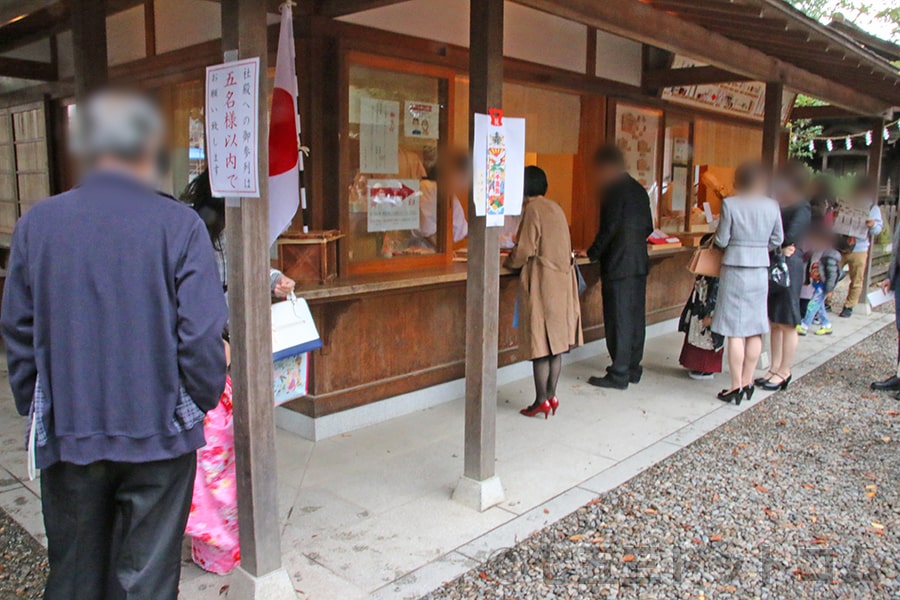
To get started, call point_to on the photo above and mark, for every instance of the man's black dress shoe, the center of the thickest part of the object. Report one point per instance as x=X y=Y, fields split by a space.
x=635 y=378
x=891 y=384
x=606 y=382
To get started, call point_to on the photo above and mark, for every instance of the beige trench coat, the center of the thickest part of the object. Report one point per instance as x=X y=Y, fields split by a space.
x=549 y=311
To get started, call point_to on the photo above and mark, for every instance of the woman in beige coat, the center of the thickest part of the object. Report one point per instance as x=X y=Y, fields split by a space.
x=549 y=312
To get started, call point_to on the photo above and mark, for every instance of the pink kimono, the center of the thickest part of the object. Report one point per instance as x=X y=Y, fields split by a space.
x=213 y=521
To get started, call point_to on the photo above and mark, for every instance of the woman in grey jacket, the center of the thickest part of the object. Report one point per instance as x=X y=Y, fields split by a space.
x=749 y=226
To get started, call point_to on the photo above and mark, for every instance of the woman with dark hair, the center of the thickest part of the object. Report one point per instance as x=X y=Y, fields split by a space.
x=784 y=302
x=549 y=311
x=198 y=194
x=749 y=226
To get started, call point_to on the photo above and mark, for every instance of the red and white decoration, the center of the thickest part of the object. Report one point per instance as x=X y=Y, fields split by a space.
x=285 y=159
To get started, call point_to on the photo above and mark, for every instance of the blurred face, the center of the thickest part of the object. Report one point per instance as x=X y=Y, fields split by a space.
x=606 y=174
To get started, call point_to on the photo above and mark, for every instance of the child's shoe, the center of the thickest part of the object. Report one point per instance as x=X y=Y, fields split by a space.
x=824 y=330
x=802 y=330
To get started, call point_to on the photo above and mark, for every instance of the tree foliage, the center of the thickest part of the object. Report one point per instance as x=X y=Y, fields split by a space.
x=883 y=13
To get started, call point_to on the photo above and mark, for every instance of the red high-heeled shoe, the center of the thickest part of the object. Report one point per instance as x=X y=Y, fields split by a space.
x=542 y=408
x=554 y=404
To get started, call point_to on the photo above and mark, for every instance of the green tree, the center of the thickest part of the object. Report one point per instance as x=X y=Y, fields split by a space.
x=883 y=14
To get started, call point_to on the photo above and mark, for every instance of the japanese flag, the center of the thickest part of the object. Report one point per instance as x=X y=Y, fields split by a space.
x=285 y=160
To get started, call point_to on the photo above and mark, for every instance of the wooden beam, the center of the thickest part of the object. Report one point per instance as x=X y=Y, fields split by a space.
x=644 y=23
x=10 y=12
x=772 y=123
x=483 y=282
x=27 y=69
x=89 y=41
x=341 y=8
x=826 y=111
x=150 y=27
x=663 y=78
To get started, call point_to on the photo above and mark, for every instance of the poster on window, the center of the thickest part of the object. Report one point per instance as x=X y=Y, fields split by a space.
x=498 y=167
x=637 y=135
x=393 y=205
x=379 y=133
x=232 y=128
x=421 y=120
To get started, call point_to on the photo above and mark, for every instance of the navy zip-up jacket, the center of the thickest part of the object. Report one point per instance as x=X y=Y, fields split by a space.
x=112 y=317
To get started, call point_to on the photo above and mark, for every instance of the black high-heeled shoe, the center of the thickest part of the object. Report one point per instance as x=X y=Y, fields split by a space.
x=780 y=386
x=748 y=393
x=735 y=395
x=762 y=380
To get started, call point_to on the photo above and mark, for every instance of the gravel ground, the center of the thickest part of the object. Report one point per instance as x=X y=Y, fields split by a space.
x=23 y=562
x=796 y=498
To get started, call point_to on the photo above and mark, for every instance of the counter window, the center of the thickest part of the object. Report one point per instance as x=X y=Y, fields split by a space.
x=396 y=124
x=677 y=189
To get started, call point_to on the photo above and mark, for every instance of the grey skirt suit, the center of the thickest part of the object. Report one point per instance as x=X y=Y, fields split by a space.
x=748 y=228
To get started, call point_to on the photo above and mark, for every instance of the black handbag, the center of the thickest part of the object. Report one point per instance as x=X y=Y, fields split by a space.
x=778 y=269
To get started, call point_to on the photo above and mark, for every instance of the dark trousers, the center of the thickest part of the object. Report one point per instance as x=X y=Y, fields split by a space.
x=624 y=317
x=114 y=530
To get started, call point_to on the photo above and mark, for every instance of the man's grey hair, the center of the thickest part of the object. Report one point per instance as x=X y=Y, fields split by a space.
x=119 y=123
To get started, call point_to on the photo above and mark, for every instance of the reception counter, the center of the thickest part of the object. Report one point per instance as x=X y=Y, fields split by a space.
x=390 y=334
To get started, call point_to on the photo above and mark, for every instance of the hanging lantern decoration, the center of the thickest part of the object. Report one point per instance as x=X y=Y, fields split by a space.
x=848 y=144
x=868 y=138
x=887 y=134
x=812 y=146
x=829 y=144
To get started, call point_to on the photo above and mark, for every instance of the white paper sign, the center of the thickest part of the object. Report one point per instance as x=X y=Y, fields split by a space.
x=851 y=220
x=393 y=205
x=498 y=166
x=232 y=128
x=379 y=133
x=679 y=188
x=421 y=120
x=878 y=297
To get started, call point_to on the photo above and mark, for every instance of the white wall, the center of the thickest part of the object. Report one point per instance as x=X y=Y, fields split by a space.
x=183 y=23
x=126 y=36
x=442 y=20
x=618 y=58
x=545 y=39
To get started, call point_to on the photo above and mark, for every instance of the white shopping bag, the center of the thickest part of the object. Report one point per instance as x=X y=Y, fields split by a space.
x=293 y=329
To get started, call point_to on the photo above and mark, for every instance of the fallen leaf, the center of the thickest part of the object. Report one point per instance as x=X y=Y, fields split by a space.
x=628 y=558
x=846 y=430
x=761 y=489
x=878 y=526
x=597 y=540
x=484 y=576
x=576 y=538
x=892 y=413
x=715 y=538
x=650 y=511
x=886 y=439
x=546 y=511
x=594 y=502
x=224 y=589
x=809 y=486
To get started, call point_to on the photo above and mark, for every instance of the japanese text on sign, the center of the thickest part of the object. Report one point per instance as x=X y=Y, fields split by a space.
x=232 y=128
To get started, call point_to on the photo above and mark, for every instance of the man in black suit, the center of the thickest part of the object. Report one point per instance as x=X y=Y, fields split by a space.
x=621 y=249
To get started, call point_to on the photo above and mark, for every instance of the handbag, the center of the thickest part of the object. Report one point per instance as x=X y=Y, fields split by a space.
x=582 y=284
x=778 y=269
x=707 y=260
x=293 y=329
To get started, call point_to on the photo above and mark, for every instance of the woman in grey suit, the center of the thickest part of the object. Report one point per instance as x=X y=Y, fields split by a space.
x=749 y=226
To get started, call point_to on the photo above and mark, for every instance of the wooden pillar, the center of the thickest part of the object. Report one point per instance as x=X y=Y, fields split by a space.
x=261 y=574
x=772 y=124
x=89 y=41
x=873 y=170
x=479 y=487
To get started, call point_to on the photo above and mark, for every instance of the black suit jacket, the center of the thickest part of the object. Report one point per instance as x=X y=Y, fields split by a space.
x=625 y=224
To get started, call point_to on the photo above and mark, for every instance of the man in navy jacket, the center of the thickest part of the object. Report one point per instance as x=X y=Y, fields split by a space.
x=113 y=317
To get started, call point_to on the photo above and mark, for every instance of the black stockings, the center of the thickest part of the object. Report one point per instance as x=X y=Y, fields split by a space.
x=546 y=375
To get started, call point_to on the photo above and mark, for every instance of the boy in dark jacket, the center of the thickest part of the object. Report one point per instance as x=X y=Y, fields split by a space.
x=824 y=273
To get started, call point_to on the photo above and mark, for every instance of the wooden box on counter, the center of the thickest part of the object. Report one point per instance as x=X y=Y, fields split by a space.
x=310 y=257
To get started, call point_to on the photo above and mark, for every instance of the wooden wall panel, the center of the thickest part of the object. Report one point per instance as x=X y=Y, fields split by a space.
x=724 y=144
x=383 y=344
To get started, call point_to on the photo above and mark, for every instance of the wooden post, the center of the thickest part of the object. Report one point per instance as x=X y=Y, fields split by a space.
x=772 y=124
x=261 y=574
x=89 y=40
x=873 y=170
x=479 y=487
